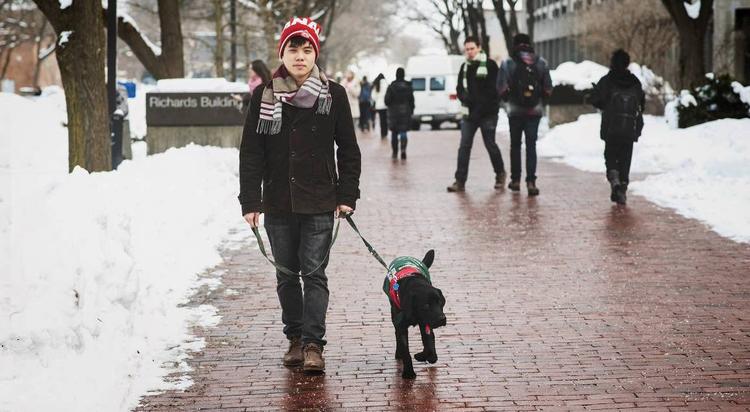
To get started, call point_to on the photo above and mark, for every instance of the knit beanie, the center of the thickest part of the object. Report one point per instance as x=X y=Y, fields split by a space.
x=303 y=27
x=521 y=38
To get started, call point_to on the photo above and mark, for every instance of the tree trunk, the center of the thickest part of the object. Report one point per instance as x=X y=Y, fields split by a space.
x=530 y=19
x=6 y=63
x=81 y=62
x=499 y=6
x=37 y=50
x=168 y=62
x=170 y=25
x=219 y=28
x=692 y=33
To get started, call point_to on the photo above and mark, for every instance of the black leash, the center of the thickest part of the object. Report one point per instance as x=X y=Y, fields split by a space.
x=283 y=269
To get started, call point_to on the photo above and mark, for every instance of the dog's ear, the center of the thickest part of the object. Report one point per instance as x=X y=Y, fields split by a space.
x=428 y=258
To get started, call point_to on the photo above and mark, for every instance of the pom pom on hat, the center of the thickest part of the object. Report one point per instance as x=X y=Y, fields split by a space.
x=304 y=27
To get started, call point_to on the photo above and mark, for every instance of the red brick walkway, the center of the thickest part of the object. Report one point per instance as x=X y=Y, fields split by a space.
x=561 y=302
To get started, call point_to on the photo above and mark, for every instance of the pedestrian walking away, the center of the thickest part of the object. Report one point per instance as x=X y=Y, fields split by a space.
x=288 y=171
x=399 y=99
x=619 y=94
x=480 y=100
x=378 y=97
x=365 y=96
x=524 y=81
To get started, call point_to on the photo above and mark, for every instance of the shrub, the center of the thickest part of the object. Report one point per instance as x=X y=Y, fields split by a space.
x=717 y=98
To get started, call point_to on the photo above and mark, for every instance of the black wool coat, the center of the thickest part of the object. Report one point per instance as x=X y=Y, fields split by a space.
x=295 y=170
x=399 y=99
x=481 y=95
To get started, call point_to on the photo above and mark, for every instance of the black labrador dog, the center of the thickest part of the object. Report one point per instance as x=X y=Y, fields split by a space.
x=414 y=301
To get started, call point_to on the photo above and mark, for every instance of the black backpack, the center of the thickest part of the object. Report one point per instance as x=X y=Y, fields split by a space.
x=525 y=85
x=622 y=112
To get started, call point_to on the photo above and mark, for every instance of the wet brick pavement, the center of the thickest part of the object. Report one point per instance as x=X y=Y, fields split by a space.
x=561 y=302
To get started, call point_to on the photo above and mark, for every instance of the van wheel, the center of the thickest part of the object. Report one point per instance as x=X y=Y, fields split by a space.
x=435 y=125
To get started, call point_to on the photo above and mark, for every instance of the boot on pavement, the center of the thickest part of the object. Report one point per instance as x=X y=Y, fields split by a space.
x=403 y=149
x=621 y=194
x=614 y=182
x=514 y=185
x=314 y=361
x=293 y=355
x=457 y=187
x=500 y=181
x=533 y=190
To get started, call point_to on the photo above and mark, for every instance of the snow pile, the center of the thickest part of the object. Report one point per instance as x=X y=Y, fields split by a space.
x=582 y=75
x=94 y=266
x=703 y=172
x=742 y=91
x=208 y=85
x=579 y=75
x=693 y=9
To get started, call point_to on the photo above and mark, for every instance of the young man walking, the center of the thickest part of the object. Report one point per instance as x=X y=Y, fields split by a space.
x=478 y=95
x=399 y=99
x=288 y=148
x=525 y=81
x=619 y=94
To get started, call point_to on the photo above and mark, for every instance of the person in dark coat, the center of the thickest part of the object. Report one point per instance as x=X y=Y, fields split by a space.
x=620 y=97
x=478 y=95
x=525 y=82
x=288 y=170
x=399 y=98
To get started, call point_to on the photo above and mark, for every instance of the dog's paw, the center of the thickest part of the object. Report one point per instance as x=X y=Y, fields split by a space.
x=408 y=374
x=425 y=357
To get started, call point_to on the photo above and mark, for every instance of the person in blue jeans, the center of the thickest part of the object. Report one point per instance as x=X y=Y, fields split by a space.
x=298 y=133
x=478 y=95
x=524 y=80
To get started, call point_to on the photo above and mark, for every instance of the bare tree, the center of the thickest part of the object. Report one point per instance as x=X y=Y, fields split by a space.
x=445 y=18
x=509 y=27
x=80 y=55
x=218 y=9
x=21 y=22
x=691 y=32
x=641 y=27
x=474 y=24
x=165 y=61
x=353 y=34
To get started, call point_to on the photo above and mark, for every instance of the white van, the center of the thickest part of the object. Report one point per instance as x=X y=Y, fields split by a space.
x=433 y=78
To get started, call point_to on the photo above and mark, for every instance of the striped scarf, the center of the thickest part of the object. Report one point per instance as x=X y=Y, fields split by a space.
x=285 y=90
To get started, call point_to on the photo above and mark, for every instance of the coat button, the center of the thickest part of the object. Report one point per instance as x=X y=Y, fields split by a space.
x=292 y=179
x=294 y=154
x=294 y=130
x=314 y=128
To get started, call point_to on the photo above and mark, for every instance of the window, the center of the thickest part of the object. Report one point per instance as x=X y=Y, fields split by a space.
x=437 y=83
x=418 y=84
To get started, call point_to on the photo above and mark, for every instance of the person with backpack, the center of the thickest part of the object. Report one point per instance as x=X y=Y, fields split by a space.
x=524 y=80
x=365 y=106
x=399 y=99
x=620 y=97
x=481 y=102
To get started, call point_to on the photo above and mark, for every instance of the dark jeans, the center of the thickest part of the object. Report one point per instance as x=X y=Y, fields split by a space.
x=394 y=140
x=299 y=243
x=617 y=156
x=364 y=115
x=528 y=126
x=468 y=129
x=383 y=115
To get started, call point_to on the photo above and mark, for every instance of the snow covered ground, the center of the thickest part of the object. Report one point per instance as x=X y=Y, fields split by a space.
x=702 y=172
x=93 y=267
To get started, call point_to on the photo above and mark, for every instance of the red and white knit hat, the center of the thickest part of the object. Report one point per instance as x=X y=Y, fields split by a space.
x=303 y=27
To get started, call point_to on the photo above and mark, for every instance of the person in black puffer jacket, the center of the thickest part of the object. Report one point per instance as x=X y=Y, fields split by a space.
x=619 y=94
x=399 y=99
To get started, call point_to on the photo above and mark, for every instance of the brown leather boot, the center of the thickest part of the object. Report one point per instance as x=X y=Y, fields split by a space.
x=457 y=187
x=514 y=185
x=293 y=356
x=314 y=361
x=531 y=187
x=500 y=181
